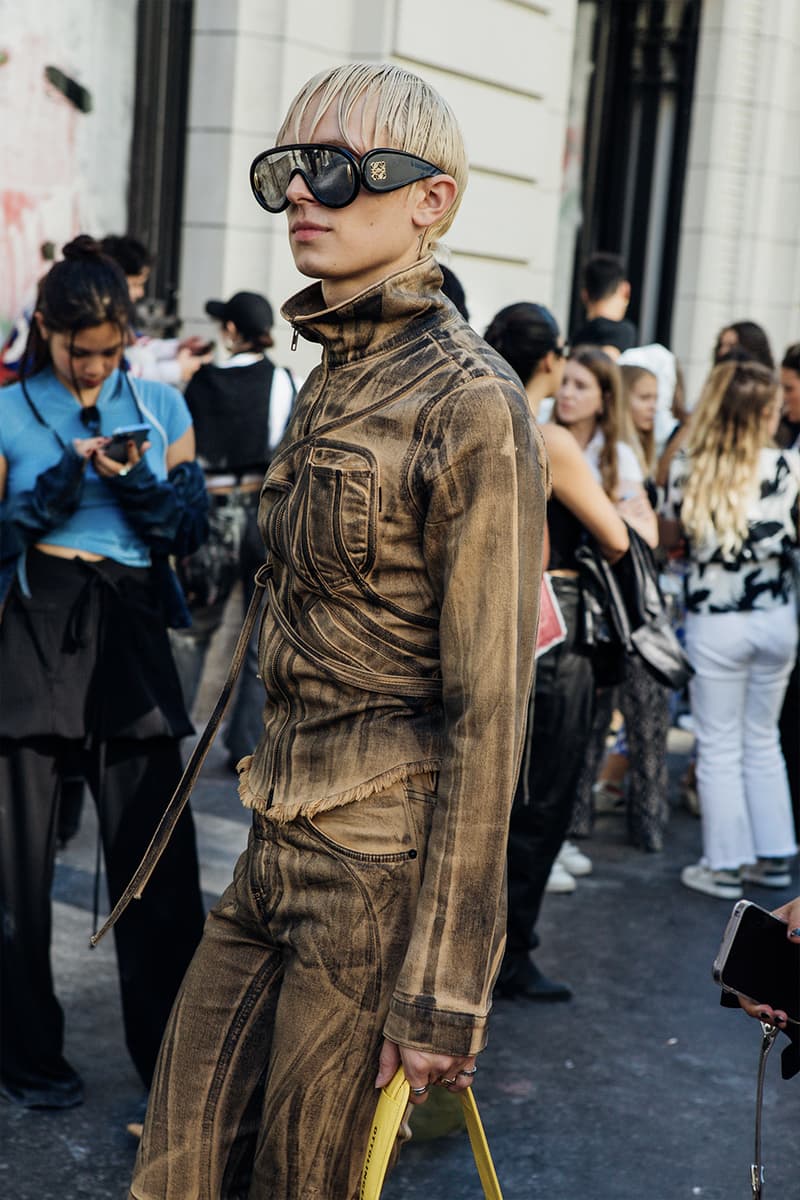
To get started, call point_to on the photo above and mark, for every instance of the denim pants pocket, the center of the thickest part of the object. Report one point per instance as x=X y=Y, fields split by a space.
x=391 y=825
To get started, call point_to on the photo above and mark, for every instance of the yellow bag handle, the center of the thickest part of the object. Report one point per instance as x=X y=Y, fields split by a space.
x=390 y=1110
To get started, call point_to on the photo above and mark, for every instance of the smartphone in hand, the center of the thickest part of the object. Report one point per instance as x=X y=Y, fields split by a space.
x=117 y=448
x=757 y=961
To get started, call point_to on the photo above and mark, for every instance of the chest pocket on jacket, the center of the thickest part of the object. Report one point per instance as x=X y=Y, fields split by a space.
x=332 y=514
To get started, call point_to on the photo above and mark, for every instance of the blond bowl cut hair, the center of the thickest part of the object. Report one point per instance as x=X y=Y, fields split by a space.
x=408 y=115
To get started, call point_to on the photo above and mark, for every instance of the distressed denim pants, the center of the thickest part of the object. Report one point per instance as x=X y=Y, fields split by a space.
x=264 y=1087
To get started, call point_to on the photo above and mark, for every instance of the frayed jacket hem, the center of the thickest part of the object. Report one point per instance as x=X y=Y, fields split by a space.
x=281 y=814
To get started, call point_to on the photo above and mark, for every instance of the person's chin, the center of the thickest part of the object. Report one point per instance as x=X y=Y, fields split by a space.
x=308 y=262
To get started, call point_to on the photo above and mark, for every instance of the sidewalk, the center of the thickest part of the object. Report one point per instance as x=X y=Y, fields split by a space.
x=640 y=1088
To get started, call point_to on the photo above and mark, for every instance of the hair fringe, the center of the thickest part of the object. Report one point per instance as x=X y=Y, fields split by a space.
x=409 y=113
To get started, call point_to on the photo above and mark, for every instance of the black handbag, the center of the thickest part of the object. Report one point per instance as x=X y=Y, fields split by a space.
x=604 y=630
x=630 y=612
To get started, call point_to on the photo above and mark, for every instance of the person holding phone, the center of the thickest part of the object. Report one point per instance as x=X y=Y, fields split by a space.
x=403 y=520
x=767 y=1010
x=86 y=675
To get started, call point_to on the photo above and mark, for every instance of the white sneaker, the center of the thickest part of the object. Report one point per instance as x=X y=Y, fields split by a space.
x=559 y=880
x=768 y=872
x=608 y=797
x=727 y=885
x=574 y=860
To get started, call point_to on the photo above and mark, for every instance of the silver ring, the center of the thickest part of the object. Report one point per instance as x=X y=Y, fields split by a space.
x=447 y=1082
x=419 y=1091
x=474 y=1071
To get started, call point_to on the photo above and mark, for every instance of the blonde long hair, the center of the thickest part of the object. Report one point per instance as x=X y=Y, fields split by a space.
x=726 y=435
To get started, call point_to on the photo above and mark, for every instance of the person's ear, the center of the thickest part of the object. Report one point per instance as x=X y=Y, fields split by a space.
x=44 y=332
x=435 y=197
x=547 y=363
x=625 y=291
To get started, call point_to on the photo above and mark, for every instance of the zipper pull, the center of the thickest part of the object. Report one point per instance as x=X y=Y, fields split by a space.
x=295 y=336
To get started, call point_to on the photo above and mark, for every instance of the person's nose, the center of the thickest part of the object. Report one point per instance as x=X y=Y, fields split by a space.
x=99 y=364
x=298 y=191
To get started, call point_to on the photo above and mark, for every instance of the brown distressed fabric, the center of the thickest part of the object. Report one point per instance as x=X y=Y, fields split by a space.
x=265 y=1084
x=403 y=512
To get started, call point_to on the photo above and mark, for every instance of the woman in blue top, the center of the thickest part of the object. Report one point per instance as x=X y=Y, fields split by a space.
x=86 y=673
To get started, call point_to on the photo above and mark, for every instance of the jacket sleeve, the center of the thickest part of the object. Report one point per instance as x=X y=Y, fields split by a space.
x=170 y=515
x=27 y=516
x=483 y=541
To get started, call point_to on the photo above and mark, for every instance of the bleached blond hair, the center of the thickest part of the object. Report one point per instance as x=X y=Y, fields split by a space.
x=408 y=114
x=726 y=435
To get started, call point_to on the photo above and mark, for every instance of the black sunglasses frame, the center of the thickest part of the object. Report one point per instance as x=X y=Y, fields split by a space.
x=90 y=418
x=384 y=169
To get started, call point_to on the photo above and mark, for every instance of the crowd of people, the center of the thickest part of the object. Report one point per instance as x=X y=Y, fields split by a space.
x=416 y=499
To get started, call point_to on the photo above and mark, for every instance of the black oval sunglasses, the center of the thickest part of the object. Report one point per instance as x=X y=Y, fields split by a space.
x=333 y=174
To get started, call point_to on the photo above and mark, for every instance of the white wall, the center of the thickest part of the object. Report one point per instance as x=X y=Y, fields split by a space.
x=63 y=170
x=505 y=70
x=740 y=250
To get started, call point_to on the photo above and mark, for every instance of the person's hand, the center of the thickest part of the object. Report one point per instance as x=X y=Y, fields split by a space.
x=86 y=447
x=194 y=343
x=190 y=363
x=634 y=508
x=790 y=913
x=423 y=1070
x=109 y=467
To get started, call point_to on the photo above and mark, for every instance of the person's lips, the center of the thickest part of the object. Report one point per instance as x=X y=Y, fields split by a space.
x=306 y=231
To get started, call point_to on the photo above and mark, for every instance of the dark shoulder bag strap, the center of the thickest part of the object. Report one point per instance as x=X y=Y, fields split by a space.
x=187 y=781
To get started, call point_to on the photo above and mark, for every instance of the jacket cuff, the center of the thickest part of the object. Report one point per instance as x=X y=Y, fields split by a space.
x=423 y=1027
x=134 y=478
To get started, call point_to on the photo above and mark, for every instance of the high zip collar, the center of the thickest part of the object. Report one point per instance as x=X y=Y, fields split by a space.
x=381 y=317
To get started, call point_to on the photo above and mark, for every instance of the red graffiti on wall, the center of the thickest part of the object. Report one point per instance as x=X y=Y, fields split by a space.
x=40 y=198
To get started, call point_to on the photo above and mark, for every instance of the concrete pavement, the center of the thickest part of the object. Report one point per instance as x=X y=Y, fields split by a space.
x=639 y=1087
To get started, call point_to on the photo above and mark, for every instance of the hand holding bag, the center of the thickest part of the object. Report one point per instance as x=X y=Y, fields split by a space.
x=389 y=1113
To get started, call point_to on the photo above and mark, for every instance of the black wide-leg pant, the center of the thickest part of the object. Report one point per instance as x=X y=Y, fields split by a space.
x=559 y=728
x=155 y=938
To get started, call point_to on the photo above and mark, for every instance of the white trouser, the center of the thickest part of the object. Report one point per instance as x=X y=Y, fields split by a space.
x=742 y=661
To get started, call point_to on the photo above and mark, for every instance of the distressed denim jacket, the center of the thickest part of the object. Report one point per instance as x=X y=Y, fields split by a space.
x=403 y=515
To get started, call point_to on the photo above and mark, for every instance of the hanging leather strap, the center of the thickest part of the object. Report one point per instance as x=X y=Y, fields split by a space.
x=769 y=1032
x=180 y=796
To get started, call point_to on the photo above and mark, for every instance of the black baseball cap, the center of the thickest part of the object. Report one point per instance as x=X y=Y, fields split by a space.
x=250 y=312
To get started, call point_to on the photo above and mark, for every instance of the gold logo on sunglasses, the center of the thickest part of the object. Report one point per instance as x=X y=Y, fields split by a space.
x=377 y=170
